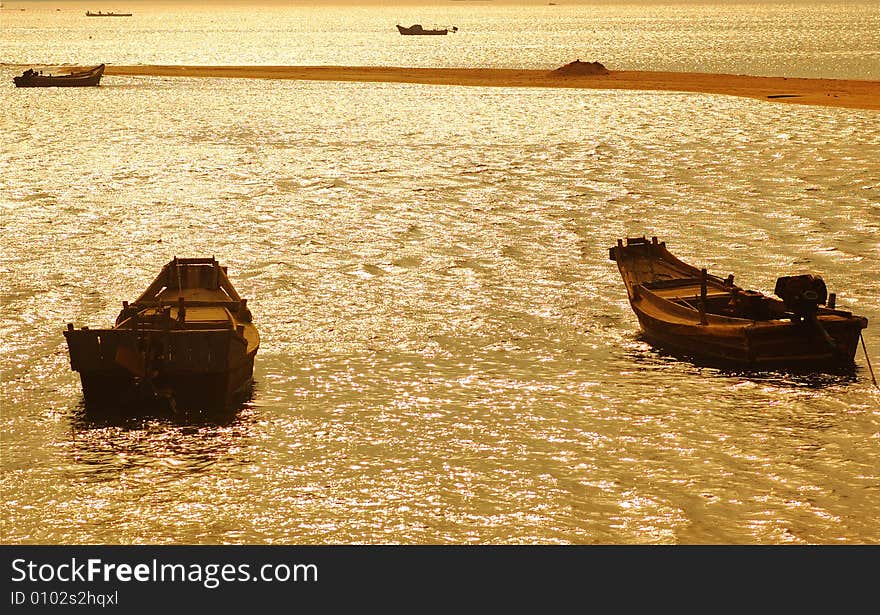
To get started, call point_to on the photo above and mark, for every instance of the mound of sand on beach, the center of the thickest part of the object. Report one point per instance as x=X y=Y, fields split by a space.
x=578 y=68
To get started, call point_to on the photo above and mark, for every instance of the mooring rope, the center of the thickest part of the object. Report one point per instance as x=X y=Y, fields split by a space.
x=870 y=369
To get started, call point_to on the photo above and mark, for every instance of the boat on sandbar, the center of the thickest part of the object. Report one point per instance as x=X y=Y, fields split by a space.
x=188 y=341
x=710 y=319
x=36 y=79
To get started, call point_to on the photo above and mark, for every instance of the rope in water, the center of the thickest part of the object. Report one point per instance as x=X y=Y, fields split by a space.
x=870 y=369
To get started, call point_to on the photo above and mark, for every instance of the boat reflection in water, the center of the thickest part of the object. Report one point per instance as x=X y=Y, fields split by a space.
x=187 y=342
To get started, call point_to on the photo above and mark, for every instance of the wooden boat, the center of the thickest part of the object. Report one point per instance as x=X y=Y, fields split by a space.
x=32 y=79
x=188 y=340
x=100 y=14
x=707 y=318
x=417 y=29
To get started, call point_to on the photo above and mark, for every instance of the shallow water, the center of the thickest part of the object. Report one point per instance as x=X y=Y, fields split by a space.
x=799 y=38
x=448 y=355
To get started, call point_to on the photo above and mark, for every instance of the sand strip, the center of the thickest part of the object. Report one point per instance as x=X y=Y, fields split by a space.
x=854 y=94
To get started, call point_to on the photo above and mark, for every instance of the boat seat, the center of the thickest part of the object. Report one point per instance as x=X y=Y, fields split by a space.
x=689 y=291
x=193 y=295
x=212 y=316
x=673 y=283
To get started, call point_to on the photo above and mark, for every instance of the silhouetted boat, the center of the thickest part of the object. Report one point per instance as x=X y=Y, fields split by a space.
x=690 y=312
x=33 y=79
x=417 y=29
x=100 y=14
x=187 y=340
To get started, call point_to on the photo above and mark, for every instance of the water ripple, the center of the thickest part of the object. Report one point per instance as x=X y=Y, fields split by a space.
x=448 y=355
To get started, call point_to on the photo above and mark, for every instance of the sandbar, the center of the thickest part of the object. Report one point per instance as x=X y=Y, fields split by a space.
x=849 y=93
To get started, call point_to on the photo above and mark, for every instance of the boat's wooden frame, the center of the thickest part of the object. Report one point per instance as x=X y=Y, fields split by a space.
x=709 y=319
x=78 y=79
x=187 y=340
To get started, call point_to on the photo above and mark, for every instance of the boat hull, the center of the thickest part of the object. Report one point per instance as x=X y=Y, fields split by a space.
x=199 y=370
x=51 y=83
x=76 y=80
x=784 y=345
x=211 y=392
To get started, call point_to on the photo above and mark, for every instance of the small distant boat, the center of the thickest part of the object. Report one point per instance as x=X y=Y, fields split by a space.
x=692 y=313
x=188 y=341
x=34 y=79
x=417 y=29
x=100 y=14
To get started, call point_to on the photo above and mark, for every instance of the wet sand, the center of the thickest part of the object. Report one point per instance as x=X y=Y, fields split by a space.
x=854 y=94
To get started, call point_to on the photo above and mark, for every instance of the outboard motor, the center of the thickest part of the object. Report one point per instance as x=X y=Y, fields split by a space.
x=802 y=294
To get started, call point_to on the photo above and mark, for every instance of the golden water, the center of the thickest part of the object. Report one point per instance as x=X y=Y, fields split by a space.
x=448 y=355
